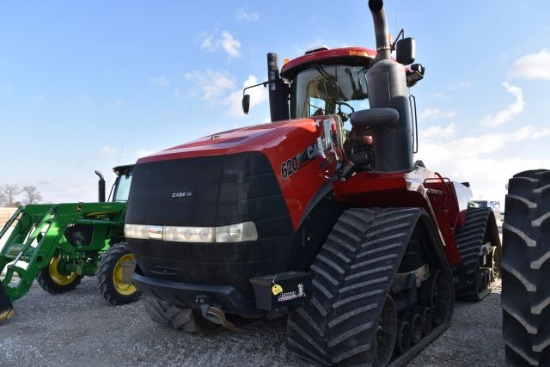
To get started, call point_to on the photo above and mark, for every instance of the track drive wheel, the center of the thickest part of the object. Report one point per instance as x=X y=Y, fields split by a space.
x=479 y=245
x=351 y=317
x=109 y=276
x=54 y=281
x=180 y=318
x=525 y=269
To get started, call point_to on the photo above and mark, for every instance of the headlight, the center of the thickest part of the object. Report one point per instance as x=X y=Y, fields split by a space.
x=239 y=232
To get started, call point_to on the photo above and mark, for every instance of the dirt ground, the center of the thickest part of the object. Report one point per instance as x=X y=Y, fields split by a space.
x=81 y=329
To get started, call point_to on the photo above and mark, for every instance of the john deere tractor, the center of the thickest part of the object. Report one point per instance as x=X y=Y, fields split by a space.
x=59 y=244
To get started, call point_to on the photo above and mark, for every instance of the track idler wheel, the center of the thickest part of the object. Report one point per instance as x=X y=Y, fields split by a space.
x=403 y=342
x=387 y=332
x=434 y=294
x=415 y=320
x=426 y=315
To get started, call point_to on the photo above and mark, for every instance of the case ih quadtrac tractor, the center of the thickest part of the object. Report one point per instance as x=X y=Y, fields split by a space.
x=361 y=247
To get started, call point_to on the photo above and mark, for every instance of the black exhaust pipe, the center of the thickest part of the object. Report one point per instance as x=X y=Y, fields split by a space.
x=389 y=116
x=383 y=45
x=100 y=188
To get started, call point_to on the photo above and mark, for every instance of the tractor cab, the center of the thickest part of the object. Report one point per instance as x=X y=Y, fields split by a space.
x=334 y=82
x=328 y=81
x=121 y=187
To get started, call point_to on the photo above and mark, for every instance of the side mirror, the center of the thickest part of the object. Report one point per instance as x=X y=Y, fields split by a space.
x=405 y=51
x=246 y=103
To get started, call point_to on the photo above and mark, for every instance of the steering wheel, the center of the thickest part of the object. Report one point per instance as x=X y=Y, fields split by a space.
x=343 y=115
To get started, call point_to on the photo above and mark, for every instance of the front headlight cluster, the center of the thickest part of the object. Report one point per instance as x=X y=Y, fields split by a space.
x=240 y=232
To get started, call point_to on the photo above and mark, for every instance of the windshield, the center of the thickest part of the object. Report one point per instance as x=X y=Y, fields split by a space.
x=329 y=89
x=122 y=187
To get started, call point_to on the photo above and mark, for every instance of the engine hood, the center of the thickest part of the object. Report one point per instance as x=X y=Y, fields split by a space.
x=252 y=138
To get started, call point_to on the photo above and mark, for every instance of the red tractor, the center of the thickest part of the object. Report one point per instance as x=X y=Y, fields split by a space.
x=361 y=247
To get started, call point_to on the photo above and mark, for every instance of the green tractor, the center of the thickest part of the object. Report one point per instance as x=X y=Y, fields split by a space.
x=59 y=244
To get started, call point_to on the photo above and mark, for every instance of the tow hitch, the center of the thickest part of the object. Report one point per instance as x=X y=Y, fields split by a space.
x=214 y=314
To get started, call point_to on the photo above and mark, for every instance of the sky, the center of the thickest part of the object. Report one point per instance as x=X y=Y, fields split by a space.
x=89 y=85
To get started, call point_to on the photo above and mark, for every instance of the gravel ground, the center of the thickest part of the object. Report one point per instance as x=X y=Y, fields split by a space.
x=81 y=329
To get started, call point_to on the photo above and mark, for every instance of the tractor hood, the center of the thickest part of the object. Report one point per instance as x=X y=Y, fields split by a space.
x=260 y=138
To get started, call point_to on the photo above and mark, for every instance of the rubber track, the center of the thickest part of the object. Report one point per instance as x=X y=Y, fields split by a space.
x=526 y=269
x=352 y=276
x=469 y=239
x=179 y=318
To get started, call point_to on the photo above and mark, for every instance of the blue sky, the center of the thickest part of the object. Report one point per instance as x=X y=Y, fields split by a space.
x=88 y=85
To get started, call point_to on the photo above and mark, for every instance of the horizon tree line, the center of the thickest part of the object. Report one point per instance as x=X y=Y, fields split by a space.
x=12 y=196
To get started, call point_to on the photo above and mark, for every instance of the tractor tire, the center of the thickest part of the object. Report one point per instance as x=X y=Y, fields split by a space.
x=109 y=276
x=53 y=281
x=351 y=317
x=480 y=266
x=179 y=318
x=525 y=269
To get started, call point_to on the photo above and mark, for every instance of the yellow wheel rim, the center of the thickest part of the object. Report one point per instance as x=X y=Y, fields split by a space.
x=56 y=276
x=122 y=288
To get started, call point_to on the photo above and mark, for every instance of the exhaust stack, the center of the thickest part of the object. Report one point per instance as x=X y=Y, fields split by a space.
x=389 y=116
x=100 y=187
x=383 y=46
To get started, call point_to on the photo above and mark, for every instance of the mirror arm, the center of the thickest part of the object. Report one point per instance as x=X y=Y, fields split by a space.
x=401 y=34
x=255 y=85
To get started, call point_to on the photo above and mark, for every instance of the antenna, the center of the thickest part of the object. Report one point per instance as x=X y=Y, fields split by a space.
x=121 y=151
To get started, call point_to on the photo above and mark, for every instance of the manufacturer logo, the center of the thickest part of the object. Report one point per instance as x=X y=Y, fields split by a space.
x=182 y=194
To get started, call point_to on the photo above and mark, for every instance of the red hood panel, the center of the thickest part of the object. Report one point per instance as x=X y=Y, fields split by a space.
x=252 y=138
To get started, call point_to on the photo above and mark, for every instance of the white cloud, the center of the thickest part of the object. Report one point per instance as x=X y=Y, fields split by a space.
x=438 y=132
x=509 y=112
x=159 y=81
x=220 y=40
x=211 y=84
x=107 y=149
x=436 y=113
x=245 y=14
x=532 y=66
x=481 y=160
x=230 y=44
x=530 y=133
x=258 y=95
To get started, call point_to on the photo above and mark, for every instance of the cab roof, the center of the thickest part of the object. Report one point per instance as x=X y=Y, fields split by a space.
x=346 y=55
